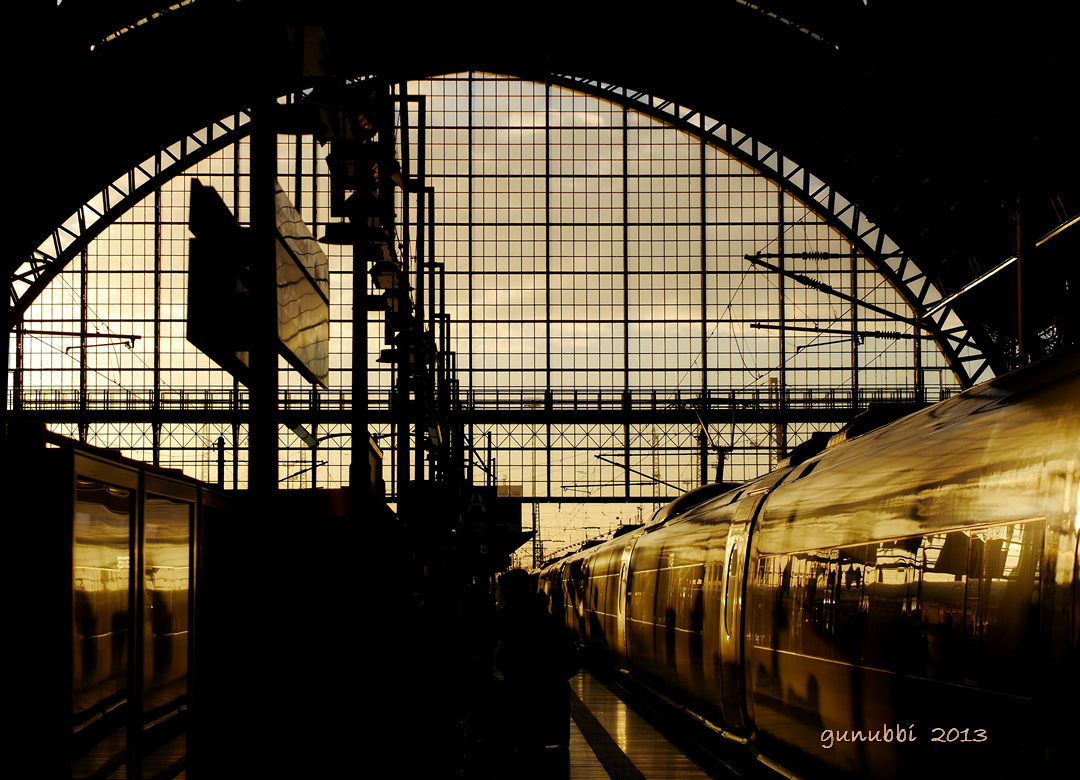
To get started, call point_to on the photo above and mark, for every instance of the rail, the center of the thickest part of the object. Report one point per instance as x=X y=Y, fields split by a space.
x=555 y=400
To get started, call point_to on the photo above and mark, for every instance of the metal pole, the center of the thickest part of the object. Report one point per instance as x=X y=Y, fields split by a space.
x=854 y=330
x=315 y=436
x=1022 y=345
x=626 y=309
x=262 y=431
x=8 y=328
x=781 y=426
x=221 y=462
x=423 y=293
x=703 y=455
x=155 y=426
x=490 y=465
x=403 y=381
x=84 y=293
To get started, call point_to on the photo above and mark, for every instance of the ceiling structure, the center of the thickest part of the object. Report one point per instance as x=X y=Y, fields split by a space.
x=952 y=132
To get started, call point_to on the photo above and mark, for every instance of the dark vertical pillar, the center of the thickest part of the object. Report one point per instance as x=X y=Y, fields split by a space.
x=403 y=385
x=854 y=329
x=423 y=292
x=415 y=189
x=137 y=634
x=236 y=424
x=298 y=174
x=358 y=466
x=703 y=454
x=17 y=374
x=547 y=266
x=262 y=431
x=236 y=455
x=155 y=424
x=920 y=392
x=84 y=322
x=626 y=315
x=4 y=417
x=1023 y=347
x=490 y=462
x=439 y=385
x=470 y=349
x=627 y=405
x=221 y=462
x=703 y=314
x=781 y=424
x=315 y=398
x=704 y=256
x=435 y=308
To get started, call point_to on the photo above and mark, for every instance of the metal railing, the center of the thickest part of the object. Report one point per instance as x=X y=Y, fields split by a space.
x=561 y=400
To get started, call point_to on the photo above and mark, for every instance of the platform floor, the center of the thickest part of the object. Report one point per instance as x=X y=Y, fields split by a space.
x=609 y=740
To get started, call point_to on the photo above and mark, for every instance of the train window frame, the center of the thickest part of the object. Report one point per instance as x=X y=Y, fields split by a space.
x=116 y=512
x=785 y=614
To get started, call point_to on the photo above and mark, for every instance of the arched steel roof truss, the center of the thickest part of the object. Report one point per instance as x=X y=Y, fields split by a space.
x=918 y=290
x=965 y=357
x=114 y=200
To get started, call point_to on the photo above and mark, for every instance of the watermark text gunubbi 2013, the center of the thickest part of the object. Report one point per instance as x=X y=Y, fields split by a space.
x=829 y=737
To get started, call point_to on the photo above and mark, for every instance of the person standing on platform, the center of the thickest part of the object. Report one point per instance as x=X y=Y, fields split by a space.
x=536 y=656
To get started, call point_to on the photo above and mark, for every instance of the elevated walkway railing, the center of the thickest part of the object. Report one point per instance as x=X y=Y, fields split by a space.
x=556 y=400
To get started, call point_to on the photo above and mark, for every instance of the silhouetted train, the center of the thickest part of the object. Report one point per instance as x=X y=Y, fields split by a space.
x=903 y=603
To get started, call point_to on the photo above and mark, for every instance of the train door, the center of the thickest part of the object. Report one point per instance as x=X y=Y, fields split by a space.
x=732 y=677
x=624 y=575
x=575 y=585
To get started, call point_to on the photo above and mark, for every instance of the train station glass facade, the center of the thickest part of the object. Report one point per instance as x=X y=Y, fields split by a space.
x=594 y=259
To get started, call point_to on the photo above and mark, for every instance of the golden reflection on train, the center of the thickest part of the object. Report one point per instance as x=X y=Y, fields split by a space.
x=915 y=580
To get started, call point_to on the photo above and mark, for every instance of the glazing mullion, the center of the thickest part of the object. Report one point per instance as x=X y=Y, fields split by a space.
x=155 y=426
x=626 y=298
x=469 y=245
x=547 y=272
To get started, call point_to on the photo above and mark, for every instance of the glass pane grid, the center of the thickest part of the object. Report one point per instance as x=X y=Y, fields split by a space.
x=592 y=256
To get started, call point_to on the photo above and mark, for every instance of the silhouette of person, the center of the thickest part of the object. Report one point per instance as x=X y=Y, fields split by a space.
x=483 y=736
x=535 y=657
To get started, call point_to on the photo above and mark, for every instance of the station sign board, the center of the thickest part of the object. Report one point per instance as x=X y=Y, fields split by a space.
x=486 y=510
x=220 y=314
x=303 y=293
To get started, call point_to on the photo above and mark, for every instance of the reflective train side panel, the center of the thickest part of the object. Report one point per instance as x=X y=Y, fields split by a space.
x=902 y=603
x=921 y=578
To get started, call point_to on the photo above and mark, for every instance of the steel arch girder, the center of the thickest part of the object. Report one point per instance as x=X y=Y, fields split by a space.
x=899 y=269
x=913 y=285
x=46 y=262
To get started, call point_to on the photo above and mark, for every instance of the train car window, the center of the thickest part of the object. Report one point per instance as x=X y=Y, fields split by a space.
x=849 y=605
x=167 y=548
x=101 y=642
x=693 y=597
x=1002 y=609
x=892 y=636
x=770 y=621
x=960 y=607
x=803 y=591
x=642 y=594
x=942 y=567
x=824 y=566
x=951 y=555
x=665 y=632
x=972 y=597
